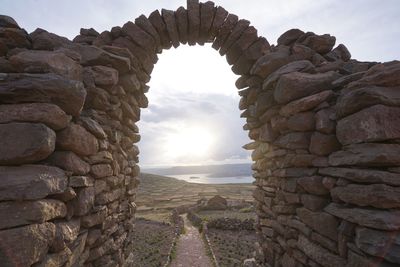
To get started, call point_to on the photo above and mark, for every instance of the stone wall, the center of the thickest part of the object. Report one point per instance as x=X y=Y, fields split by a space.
x=325 y=129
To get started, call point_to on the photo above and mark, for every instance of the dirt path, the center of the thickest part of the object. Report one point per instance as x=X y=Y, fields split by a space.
x=190 y=251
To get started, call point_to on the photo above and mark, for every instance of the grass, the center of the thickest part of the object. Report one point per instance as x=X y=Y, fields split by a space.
x=160 y=194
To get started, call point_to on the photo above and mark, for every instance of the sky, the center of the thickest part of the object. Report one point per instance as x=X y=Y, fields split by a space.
x=193 y=116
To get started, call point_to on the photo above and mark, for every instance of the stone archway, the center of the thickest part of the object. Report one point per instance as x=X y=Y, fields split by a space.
x=325 y=131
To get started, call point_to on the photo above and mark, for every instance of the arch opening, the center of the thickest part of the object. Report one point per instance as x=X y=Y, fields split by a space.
x=324 y=131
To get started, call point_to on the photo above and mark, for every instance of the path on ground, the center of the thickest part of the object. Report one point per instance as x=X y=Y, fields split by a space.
x=190 y=249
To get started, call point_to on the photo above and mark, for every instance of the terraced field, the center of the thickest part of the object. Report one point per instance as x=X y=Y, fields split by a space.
x=159 y=194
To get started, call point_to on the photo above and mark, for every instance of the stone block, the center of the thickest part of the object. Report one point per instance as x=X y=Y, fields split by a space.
x=367 y=154
x=77 y=139
x=31 y=182
x=296 y=85
x=378 y=219
x=48 y=88
x=376 y=195
x=48 y=114
x=25 y=143
x=26 y=245
x=373 y=124
x=14 y=214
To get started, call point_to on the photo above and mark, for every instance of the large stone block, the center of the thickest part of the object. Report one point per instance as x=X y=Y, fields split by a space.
x=296 y=66
x=27 y=212
x=69 y=161
x=313 y=185
x=295 y=85
x=373 y=124
x=367 y=154
x=302 y=122
x=322 y=222
x=66 y=232
x=84 y=201
x=77 y=139
x=193 y=10
x=376 y=195
x=182 y=24
x=363 y=175
x=36 y=61
x=139 y=36
x=269 y=63
x=380 y=244
x=102 y=75
x=25 y=245
x=385 y=74
x=170 y=22
x=296 y=140
x=43 y=88
x=305 y=103
x=49 y=114
x=25 y=143
x=352 y=101
x=319 y=254
x=323 y=144
x=93 y=56
x=31 y=182
x=378 y=219
x=320 y=43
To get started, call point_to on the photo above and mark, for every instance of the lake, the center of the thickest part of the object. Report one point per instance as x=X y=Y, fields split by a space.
x=204 y=178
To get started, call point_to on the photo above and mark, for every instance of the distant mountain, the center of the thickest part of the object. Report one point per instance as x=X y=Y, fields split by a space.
x=224 y=170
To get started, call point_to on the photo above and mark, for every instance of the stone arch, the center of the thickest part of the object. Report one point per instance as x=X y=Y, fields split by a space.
x=326 y=184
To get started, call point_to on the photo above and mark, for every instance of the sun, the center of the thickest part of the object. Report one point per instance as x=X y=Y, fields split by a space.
x=191 y=142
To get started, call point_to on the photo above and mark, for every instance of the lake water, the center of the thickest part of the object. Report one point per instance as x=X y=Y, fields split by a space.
x=203 y=178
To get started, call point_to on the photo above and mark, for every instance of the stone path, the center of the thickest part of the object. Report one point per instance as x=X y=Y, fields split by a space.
x=190 y=250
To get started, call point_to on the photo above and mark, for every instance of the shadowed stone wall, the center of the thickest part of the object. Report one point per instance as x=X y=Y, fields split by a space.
x=325 y=131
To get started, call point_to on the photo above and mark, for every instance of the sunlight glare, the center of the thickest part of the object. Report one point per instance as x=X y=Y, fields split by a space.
x=192 y=141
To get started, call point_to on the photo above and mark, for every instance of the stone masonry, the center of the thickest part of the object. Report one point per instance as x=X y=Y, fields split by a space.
x=325 y=133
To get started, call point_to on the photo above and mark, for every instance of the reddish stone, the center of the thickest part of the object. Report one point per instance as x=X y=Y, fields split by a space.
x=295 y=85
x=357 y=99
x=320 y=43
x=289 y=37
x=302 y=122
x=270 y=62
x=322 y=144
x=25 y=143
x=373 y=124
x=26 y=245
x=77 y=139
x=49 y=114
